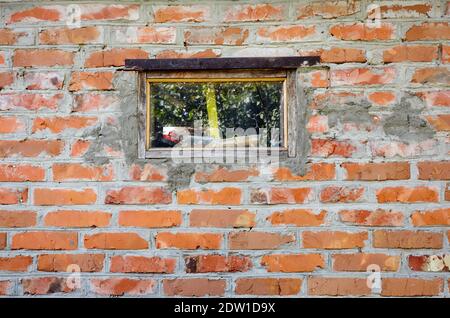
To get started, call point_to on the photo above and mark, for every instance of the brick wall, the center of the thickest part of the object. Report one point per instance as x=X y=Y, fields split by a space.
x=374 y=191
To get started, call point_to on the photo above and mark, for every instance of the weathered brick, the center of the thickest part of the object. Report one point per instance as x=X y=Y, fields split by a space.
x=400 y=10
x=63 y=262
x=378 y=217
x=383 y=98
x=21 y=173
x=254 y=12
x=268 y=286
x=286 y=33
x=360 y=262
x=440 y=122
x=177 y=54
x=417 y=53
x=363 y=76
x=43 y=80
x=148 y=35
x=75 y=171
x=228 y=195
x=29 y=101
x=179 y=13
x=429 y=263
x=109 y=12
x=431 y=75
x=142 y=264
x=113 y=57
x=437 y=217
x=363 y=32
x=45 y=285
x=15 y=264
x=332 y=148
x=13 y=195
x=377 y=171
x=91 y=81
x=6 y=79
x=17 y=218
x=150 y=219
x=15 y=37
x=226 y=175
x=258 y=240
x=83 y=35
x=188 y=241
x=123 y=286
x=57 y=196
x=197 y=287
x=315 y=172
x=45 y=241
x=62 y=124
x=74 y=218
x=407 y=194
x=293 y=263
x=328 y=10
x=42 y=58
x=218 y=36
x=333 y=239
x=217 y=263
x=409 y=287
x=338 y=286
x=297 y=217
x=333 y=194
x=115 y=241
x=221 y=218
x=428 y=31
x=407 y=239
x=138 y=195
x=281 y=195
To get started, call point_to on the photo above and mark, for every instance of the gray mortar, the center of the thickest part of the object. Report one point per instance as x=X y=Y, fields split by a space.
x=406 y=123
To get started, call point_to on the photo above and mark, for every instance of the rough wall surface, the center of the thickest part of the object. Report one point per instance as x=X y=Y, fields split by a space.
x=374 y=194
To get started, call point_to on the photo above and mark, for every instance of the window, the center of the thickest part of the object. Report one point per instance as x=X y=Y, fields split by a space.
x=189 y=105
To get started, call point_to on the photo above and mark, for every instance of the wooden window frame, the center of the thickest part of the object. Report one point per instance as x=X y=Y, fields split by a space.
x=222 y=70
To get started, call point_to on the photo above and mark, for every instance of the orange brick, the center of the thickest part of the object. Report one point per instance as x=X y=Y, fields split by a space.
x=2 y=241
x=377 y=171
x=431 y=75
x=343 y=55
x=399 y=10
x=333 y=194
x=45 y=285
x=281 y=195
x=226 y=175
x=91 y=81
x=429 y=263
x=331 y=148
x=198 y=287
x=409 y=287
x=418 y=53
x=63 y=262
x=10 y=125
x=30 y=148
x=6 y=79
x=382 y=98
x=268 y=286
x=297 y=217
x=228 y=195
x=258 y=240
x=37 y=13
x=5 y=287
x=64 y=196
x=333 y=239
x=437 y=217
x=150 y=219
x=188 y=241
x=73 y=218
x=147 y=172
x=378 y=217
x=363 y=32
x=42 y=58
x=83 y=35
x=21 y=173
x=328 y=10
x=115 y=241
x=138 y=195
x=438 y=98
x=338 y=286
x=194 y=13
x=218 y=36
x=434 y=170
x=16 y=263
x=75 y=171
x=429 y=31
x=123 y=286
x=221 y=218
x=252 y=13
x=12 y=37
x=142 y=264
x=293 y=263
x=360 y=262
x=217 y=263
x=114 y=57
x=173 y=54
x=407 y=194
x=440 y=122
x=109 y=12
x=13 y=195
x=15 y=218
x=145 y=35
x=95 y=102
x=62 y=124
x=407 y=239
x=315 y=172
x=363 y=76
x=45 y=241
x=286 y=33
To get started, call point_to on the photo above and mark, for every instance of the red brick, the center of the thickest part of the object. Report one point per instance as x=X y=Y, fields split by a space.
x=142 y=264
x=45 y=285
x=13 y=195
x=333 y=239
x=73 y=218
x=360 y=262
x=254 y=12
x=439 y=98
x=115 y=241
x=179 y=13
x=286 y=33
x=343 y=55
x=174 y=54
x=384 y=98
x=16 y=263
x=429 y=263
x=45 y=240
x=2 y=241
x=28 y=101
x=218 y=36
x=5 y=287
x=407 y=194
x=268 y=286
x=123 y=286
x=428 y=31
x=57 y=196
x=293 y=263
x=12 y=37
x=114 y=57
x=63 y=262
x=363 y=76
x=409 y=287
x=333 y=194
x=378 y=217
x=95 y=102
x=297 y=217
x=221 y=218
x=138 y=195
x=281 y=195
x=217 y=263
x=42 y=58
x=228 y=195
x=437 y=217
x=147 y=172
x=83 y=35
x=198 y=287
x=446 y=54
x=328 y=10
x=76 y=171
x=331 y=148
x=17 y=218
x=434 y=170
x=188 y=241
x=406 y=239
x=21 y=173
x=417 y=53
x=62 y=124
x=338 y=286
x=30 y=148
x=377 y=171
x=362 y=32
x=258 y=240
x=226 y=175
x=315 y=172
x=91 y=81
x=6 y=79
x=150 y=219
x=431 y=75
x=38 y=13
x=399 y=10
x=109 y=12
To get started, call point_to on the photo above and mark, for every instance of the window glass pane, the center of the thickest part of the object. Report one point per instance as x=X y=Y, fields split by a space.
x=241 y=113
